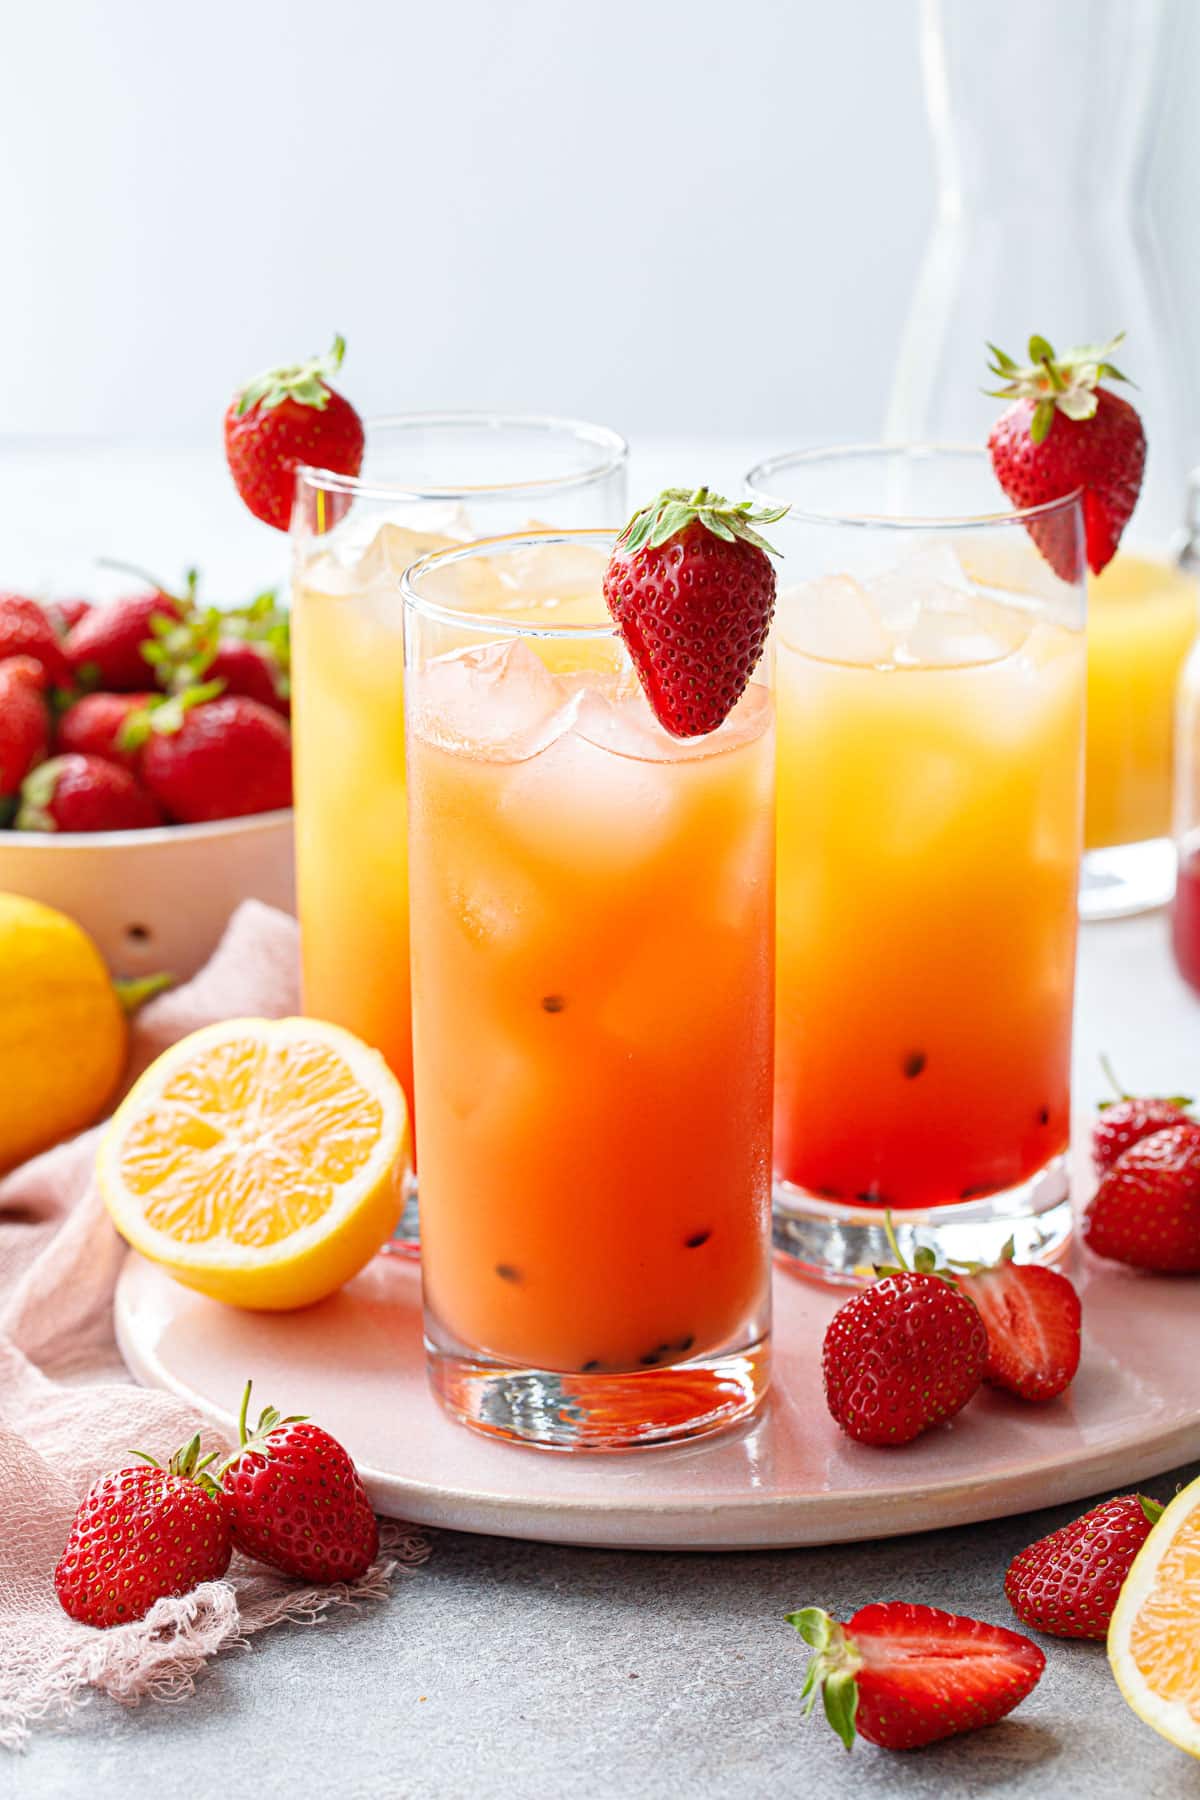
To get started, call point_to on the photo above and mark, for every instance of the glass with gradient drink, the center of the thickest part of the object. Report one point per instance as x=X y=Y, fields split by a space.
x=592 y=930
x=931 y=672
x=428 y=481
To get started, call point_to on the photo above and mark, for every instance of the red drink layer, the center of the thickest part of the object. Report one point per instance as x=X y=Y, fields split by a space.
x=1185 y=916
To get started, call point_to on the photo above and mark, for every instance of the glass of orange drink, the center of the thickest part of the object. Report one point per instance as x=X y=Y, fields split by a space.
x=428 y=481
x=930 y=662
x=592 y=910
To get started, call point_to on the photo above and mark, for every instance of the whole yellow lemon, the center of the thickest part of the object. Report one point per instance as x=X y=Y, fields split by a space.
x=63 y=1031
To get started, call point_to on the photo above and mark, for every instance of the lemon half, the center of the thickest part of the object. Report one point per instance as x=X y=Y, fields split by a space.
x=1154 y=1633
x=260 y=1161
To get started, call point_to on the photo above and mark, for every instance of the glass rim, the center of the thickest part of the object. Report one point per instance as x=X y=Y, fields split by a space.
x=614 y=448
x=757 y=477
x=496 y=624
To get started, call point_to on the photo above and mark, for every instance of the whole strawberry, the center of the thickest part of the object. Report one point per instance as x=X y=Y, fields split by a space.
x=24 y=721
x=1130 y=1118
x=282 y=419
x=93 y=725
x=143 y=1533
x=84 y=793
x=250 y=670
x=296 y=1500
x=1067 y=1583
x=1032 y=1318
x=213 y=758
x=26 y=630
x=1146 y=1210
x=691 y=589
x=1065 y=432
x=213 y=647
x=902 y=1676
x=902 y=1355
x=106 y=648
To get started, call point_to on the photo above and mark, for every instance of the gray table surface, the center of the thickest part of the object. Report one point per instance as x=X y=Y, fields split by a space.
x=524 y=1672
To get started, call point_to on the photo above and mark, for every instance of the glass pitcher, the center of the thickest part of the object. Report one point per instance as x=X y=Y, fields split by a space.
x=1040 y=113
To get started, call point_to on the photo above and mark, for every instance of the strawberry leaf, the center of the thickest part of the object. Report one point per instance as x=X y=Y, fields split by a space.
x=1078 y=405
x=840 y=1695
x=1065 y=383
x=831 y=1669
x=1043 y=419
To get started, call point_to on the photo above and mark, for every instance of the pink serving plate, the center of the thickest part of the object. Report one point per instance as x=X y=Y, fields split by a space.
x=356 y=1363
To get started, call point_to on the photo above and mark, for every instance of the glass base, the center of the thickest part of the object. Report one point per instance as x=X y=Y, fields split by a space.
x=641 y=1408
x=406 y=1239
x=1126 y=879
x=832 y=1241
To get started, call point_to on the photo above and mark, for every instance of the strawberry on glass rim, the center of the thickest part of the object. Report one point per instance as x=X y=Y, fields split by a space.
x=284 y=418
x=1064 y=433
x=691 y=589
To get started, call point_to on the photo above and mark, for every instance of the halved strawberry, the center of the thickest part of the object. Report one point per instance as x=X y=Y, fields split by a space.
x=901 y=1675
x=1032 y=1317
x=691 y=589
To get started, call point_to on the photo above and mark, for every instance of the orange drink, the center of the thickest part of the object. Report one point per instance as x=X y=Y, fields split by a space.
x=429 y=481
x=592 y=932
x=931 y=703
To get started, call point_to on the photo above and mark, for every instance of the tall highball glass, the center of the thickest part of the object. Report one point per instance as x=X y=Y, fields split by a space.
x=429 y=481
x=931 y=669
x=592 y=935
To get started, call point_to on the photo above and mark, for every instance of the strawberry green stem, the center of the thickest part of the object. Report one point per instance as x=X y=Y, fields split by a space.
x=832 y=1669
x=268 y=1420
x=1111 y=1078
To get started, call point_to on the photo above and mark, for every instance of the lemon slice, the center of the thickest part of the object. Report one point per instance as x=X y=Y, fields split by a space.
x=261 y=1161
x=1154 y=1633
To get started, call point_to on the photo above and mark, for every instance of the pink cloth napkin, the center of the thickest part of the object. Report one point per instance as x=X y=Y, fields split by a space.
x=68 y=1411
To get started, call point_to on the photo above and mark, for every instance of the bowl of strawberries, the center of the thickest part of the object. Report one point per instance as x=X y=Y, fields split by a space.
x=146 y=766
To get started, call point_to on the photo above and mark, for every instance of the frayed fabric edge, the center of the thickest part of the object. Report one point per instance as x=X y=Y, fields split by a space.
x=179 y=1635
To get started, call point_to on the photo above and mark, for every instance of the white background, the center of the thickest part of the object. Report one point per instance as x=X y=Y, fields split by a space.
x=682 y=219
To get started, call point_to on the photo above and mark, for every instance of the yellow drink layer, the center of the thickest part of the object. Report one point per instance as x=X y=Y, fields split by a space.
x=929 y=812
x=1141 y=621
x=351 y=813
